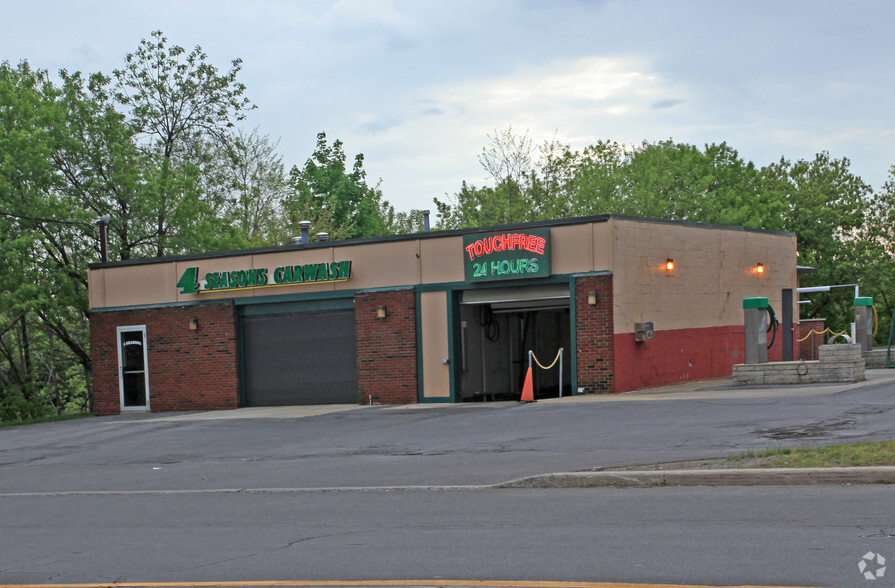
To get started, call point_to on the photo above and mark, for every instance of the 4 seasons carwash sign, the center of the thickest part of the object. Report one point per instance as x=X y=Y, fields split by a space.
x=242 y=279
x=507 y=255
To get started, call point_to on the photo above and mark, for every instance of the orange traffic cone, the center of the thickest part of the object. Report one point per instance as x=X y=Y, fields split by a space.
x=528 y=394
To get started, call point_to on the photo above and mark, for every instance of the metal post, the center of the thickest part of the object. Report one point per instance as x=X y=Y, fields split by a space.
x=787 y=324
x=560 y=372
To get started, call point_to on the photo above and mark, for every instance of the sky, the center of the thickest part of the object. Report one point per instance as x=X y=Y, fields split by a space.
x=417 y=86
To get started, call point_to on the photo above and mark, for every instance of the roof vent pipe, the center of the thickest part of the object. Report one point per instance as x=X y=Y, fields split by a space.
x=305 y=227
x=425 y=220
x=295 y=241
x=323 y=237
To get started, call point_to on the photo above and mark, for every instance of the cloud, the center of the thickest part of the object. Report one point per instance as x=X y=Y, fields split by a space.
x=667 y=103
x=374 y=127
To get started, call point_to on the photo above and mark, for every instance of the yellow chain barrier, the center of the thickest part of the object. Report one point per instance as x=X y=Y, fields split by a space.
x=534 y=357
x=814 y=332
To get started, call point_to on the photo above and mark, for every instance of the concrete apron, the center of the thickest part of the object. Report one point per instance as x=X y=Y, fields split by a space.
x=720 y=388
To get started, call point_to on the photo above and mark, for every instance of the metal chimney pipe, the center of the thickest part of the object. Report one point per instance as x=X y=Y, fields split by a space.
x=103 y=223
x=425 y=220
x=305 y=227
x=323 y=237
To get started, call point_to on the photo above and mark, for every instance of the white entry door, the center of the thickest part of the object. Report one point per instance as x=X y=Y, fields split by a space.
x=133 y=376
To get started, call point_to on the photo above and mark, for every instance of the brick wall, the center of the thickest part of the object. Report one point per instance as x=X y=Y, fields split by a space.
x=188 y=370
x=808 y=349
x=594 y=335
x=680 y=355
x=386 y=348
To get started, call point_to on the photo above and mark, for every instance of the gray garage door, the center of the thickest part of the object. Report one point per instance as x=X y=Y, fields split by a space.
x=300 y=358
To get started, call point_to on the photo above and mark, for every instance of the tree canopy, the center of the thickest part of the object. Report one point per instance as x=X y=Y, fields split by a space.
x=156 y=147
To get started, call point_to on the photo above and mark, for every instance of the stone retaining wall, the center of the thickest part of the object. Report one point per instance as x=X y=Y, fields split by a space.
x=837 y=364
x=876 y=358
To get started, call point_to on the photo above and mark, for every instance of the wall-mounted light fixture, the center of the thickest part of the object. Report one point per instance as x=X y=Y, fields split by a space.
x=759 y=268
x=669 y=264
x=194 y=324
x=381 y=312
x=592 y=298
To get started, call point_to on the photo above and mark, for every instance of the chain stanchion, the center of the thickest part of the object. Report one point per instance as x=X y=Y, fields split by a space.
x=815 y=332
x=558 y=358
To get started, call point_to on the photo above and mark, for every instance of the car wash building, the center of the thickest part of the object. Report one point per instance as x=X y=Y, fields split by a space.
x=444 y=316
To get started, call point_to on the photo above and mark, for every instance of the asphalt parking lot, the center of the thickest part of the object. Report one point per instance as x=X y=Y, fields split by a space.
x=434 y=445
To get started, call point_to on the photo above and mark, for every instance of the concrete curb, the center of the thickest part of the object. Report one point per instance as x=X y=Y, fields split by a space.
x=727 y=477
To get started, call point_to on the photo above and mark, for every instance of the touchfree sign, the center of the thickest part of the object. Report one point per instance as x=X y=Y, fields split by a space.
x=507 y=255
x=288 y=275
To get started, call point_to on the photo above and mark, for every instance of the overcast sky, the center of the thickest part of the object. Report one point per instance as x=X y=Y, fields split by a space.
x=416 y=86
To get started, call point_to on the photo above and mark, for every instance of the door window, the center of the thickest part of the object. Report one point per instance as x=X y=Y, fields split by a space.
x=133 y=376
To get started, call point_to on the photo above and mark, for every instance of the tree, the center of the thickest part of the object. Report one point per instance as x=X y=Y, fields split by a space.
x=46 y=241
x=341 y=199
x=178 y=101
x=256 y=185
x=827 y=207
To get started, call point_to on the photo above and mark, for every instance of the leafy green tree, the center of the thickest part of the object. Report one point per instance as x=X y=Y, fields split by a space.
x=340 y=198
x=827 y=207
x=178 y=102
x=45 y=236
x=255 y=186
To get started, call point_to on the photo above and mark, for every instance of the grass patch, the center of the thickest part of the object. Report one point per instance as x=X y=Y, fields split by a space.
x=46 y=419
x=864 y=453
x=766 y=452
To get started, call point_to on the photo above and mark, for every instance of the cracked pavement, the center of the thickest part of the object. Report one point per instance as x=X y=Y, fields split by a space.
x=435 y=445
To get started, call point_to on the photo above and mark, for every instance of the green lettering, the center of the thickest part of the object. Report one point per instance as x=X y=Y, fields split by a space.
x=311 y=271
x=187 y=282
x=344 y=270
x=278 y=275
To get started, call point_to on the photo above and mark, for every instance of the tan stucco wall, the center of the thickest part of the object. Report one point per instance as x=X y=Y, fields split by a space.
x=434 y=343
x=714 y=270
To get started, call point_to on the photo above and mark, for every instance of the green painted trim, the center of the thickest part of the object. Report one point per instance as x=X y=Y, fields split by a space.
x=454 y=351
x=446 y=286
x=297 y=306
x=419 y=345
x=589 y=274
x=573 y=335
x=294 y=297
x=240 y=360
x=761 y=303
x=436 y=401
x=158 y=305
x=453 y=342
x=864 y=301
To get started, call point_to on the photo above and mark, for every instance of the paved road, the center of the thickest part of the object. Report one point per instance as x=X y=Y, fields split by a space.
x=150 y=497
x=802 y=536
x=464 y=444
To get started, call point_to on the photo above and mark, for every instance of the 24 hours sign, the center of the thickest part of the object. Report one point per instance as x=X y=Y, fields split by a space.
x=507 y=255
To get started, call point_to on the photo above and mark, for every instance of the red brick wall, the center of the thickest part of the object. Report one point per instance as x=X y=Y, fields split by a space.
x=682 y=355
x=679 y=355
x=808 y=349
x=386 y=348
x=594 y=335
x=188 y=370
